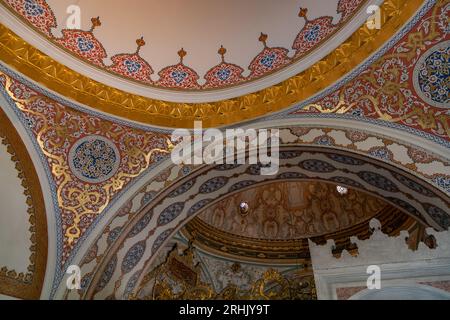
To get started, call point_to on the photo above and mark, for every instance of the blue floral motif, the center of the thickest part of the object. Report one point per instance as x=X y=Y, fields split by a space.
x=170 y=213
x=213 y=184
x=185 y=170
x=132 y=66
x=358 y=112
x=346 y=181
x=223 y=74
x=312 y=33
x=84 y=44
x=241 y=185
x=85 y=281
x=414 y=185
x=434 y=76
x=94 y=159
x=178 y=76
x=161 y=238
x=324 y=141
x=381 y=153
x=443 y=182
x=226 y=167
x=141 y=225
x=133 y=256
x=317 y=166
x=182 y=189
x=378 y=181
x=289 y=154
x=438 y=215
x=32 y=8
x=197 y=206
x=405 y=205
x=291 y=175
x=345 y=159
x=148 y=196
x=268 y=59
x=113 y=235
x=107 y=274
x=131 y=284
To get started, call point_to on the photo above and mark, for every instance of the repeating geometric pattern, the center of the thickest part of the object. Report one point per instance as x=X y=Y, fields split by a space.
x=86 y=46
x=41 y=67
x=397 y=188
x=223 y=74
x=423 y=163
x=37 y=13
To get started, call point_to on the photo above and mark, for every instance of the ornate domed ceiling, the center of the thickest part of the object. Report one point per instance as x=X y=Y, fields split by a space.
x=281 y=216
x=234 y=48
x=173 y=75
x=291 y=210
x=368 y=112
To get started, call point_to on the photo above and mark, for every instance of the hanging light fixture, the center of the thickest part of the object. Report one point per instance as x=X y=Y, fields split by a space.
x=243 y=208
x=342 y=190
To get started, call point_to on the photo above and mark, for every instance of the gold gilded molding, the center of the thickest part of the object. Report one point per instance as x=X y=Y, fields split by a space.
x=82 y=200
x=179 y=278
x=26 y=59
x=290 y=251
x=26 y=286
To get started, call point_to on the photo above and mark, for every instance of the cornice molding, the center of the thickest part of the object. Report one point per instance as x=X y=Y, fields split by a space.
x=25 y=58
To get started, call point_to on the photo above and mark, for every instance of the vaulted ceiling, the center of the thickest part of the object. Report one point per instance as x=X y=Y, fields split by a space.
x=358 y=107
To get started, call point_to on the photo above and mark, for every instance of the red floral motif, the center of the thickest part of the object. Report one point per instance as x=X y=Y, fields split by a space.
x=348 y=8
x=419 y=156
x=84 y=44
x=385 y=89
x=223 y=74
x=37 y=13
x=179 y=75
x=132 y=66
x=300 y=131
x=268 y=59
x=57 y=128
x=257 y=66
x=313 y=33
x=356 y=136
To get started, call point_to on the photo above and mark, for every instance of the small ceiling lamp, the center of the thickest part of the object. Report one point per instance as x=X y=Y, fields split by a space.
x=342 y=190
x=243 y=208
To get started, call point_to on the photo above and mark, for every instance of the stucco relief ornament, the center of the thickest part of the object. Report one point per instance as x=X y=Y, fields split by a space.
x=84 y=43
x=132 y=65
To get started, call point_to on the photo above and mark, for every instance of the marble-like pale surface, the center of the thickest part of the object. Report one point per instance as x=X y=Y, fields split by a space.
x=14 y=234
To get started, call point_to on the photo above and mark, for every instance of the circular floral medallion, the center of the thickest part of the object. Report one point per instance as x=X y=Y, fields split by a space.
x=432 y=76
x=94 y=159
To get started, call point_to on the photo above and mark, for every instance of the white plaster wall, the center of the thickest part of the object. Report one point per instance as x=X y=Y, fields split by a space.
x=14 y=225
